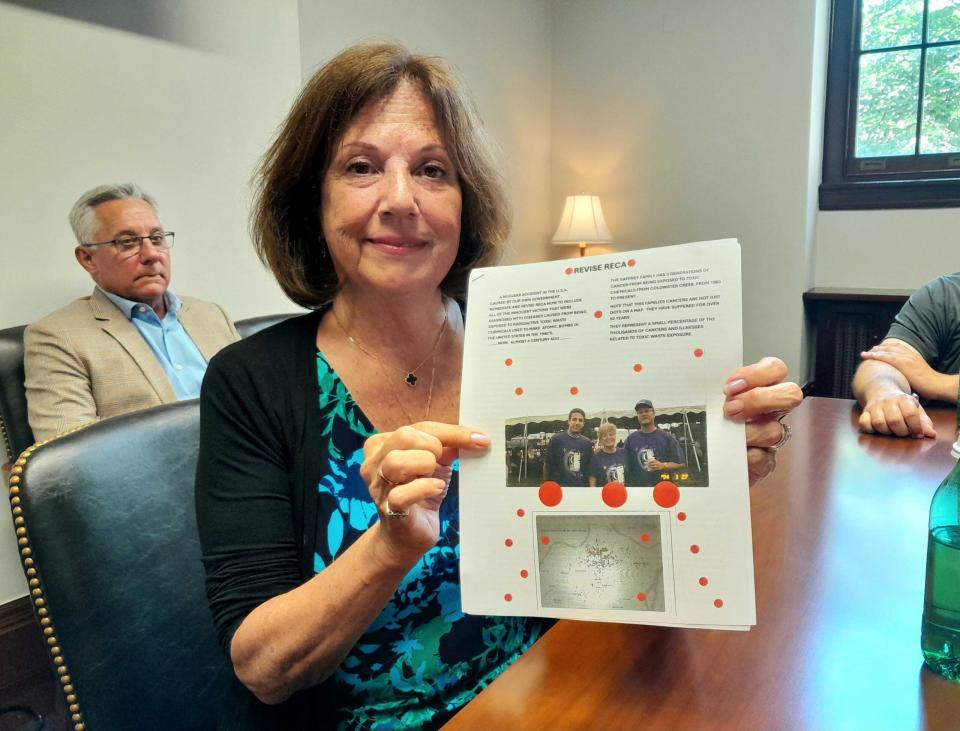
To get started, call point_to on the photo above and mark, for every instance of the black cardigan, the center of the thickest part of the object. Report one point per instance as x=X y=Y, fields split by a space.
x=256 y=511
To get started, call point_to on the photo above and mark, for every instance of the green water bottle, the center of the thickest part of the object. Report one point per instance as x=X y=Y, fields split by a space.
x=940 y=636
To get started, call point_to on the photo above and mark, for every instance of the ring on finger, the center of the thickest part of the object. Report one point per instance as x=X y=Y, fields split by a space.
x=385 y=479
x=391 y=513
x=785 y=433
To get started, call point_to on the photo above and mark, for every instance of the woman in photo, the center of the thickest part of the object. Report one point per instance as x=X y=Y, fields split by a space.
x=609 y=463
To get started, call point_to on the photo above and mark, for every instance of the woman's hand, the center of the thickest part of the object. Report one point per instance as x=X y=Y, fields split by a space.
x=756 y=395
x=408 y=472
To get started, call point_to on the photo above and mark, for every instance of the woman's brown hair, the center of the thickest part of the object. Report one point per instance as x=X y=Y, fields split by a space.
x=286 y=217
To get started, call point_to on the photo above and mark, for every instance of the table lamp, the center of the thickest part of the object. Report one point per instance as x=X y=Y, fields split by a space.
x=582 y=223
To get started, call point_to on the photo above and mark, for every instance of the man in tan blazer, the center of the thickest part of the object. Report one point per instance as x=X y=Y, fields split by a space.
x=130 y=345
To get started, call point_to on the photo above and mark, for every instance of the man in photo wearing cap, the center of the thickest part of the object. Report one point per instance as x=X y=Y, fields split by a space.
x=650 y=451
x=568 y=453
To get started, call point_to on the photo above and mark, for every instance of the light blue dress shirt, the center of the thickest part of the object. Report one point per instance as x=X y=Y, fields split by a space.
x=175 y=350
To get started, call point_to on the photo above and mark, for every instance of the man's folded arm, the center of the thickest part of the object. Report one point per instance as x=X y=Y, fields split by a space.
x=919 y=370
x=889 y=406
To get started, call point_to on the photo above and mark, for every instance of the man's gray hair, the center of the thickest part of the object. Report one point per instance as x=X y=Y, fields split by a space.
x=83 y=221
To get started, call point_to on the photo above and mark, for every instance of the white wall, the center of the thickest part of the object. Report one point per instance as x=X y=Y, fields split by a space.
x=693 y=121
x=84 y=104
x=886 y=249
x=184 y=107
x=501 y=49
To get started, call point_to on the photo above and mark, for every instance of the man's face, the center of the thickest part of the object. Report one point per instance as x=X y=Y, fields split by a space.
x=143 y=277
x=645 y=415
x=575 y=423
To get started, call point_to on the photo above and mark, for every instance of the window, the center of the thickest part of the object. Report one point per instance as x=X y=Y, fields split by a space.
x=892 y=126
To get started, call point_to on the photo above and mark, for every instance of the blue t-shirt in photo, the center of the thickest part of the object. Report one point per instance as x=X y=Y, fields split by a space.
x=643 y=446
x=609 y=466
x=568 y=458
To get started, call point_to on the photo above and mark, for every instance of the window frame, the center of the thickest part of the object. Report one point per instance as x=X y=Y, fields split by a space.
x=901 y=184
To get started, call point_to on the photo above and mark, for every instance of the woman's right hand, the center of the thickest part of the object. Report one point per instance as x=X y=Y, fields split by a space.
x=408 y=471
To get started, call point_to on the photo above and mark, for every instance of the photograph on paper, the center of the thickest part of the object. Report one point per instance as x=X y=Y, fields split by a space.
x=638 y=447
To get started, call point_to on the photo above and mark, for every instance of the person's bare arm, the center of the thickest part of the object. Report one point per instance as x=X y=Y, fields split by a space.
x=923 y=379
x=297 y=639
x=889 y=406
x=655 y=464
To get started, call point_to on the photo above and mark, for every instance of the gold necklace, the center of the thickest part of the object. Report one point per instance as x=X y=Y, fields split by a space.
x=410 y=377
x=432 y=356
x=396 y=396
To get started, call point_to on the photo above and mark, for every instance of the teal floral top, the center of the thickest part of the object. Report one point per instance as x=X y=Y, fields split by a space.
x=422 y=659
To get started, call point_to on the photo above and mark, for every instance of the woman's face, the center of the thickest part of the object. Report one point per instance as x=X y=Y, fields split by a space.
x=391 y=198
x=608 y=438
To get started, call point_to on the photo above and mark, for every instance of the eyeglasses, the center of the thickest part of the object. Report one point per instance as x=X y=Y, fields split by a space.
x=128 y=246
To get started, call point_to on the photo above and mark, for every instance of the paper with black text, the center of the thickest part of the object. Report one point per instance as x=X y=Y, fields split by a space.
x=664 y=535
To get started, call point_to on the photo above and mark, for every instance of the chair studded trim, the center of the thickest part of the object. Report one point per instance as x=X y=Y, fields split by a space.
x=35 y=584
x=110 y=532
x=6 y=439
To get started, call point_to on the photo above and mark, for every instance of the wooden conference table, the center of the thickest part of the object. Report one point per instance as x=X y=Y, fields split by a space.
x=840 y=533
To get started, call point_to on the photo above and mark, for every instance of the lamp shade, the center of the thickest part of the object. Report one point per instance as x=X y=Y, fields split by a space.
x=582 y=222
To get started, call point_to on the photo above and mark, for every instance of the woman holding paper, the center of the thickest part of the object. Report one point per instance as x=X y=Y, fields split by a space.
x=326 y=500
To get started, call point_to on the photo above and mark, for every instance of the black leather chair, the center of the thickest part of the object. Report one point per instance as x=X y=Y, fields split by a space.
x=14 y=428
x=251 y=325
x=104 y=517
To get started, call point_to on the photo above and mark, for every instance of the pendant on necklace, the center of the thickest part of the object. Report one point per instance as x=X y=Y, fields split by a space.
x=411 y=379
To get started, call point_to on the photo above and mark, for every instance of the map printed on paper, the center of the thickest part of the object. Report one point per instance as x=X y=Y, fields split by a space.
x=614 y=489
x=600 y=562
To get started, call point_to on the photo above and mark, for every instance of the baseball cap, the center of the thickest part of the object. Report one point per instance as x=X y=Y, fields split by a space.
x=643 y=404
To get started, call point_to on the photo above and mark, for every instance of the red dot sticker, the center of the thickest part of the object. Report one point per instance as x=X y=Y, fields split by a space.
x=524 y=573
x=508 y=543
x=718 y=603
x=508 y=597
x=568 y=270
x=518 y=391
x=698 y=353
x=645 y=538
x=550 y=493
x=574 y=390
x=694 y=548
x=641 y=597
x=614 y=494
x=508 y=362
x=666 y=494
x=631 y=262
x=545 y=540
x=637 y=367
x=598 y=314
x=681 y=516
x=521 y=512
x=703 y=581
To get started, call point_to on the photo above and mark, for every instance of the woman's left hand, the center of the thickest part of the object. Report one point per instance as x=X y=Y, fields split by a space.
x=757 y=395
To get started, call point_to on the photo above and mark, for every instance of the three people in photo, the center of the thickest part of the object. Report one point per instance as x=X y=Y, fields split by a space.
x=642 y=460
